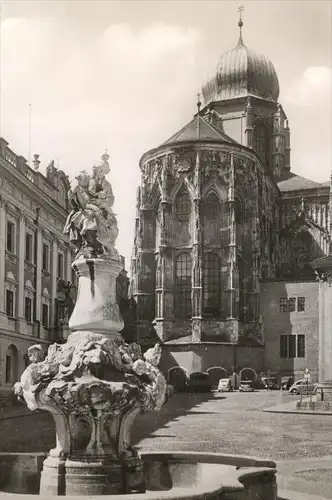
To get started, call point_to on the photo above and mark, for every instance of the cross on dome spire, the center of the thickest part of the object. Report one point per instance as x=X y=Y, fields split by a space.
x=240 y=25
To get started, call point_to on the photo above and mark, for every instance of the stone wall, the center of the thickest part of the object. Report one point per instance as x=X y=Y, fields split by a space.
x=202 y=357
x=278 y=323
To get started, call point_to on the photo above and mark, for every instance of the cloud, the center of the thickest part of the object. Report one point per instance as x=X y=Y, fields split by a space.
x=312 y=88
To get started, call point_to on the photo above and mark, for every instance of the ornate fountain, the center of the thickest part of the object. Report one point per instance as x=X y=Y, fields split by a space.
x=95 y=385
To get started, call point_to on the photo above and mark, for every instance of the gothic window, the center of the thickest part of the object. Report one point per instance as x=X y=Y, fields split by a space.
x=183 y=270
x=261 y=142
x=211 y=284
x=183 y=206
x=211 y=207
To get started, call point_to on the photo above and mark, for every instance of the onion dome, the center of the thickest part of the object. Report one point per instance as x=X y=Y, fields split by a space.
x=242 y=72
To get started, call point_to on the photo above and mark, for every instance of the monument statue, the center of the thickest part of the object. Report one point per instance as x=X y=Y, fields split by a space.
x=92 y=225
x=95 y=384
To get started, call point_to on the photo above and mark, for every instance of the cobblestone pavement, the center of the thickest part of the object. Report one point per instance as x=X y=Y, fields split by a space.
x=227 y=423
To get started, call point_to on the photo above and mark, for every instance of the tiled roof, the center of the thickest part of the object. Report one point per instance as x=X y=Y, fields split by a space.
x=201 y=131
x=296 y=183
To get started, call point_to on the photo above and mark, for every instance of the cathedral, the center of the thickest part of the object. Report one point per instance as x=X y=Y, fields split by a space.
x=226 y=233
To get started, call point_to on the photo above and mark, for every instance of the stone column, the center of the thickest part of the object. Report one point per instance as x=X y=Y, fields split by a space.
x=197 y=294
x=39 y=263
x=323 y=267
x=145 y=275
x=248 y=124
x=287 y=149
x=68 y=267
x=54 y=268
x=3 y=235
x=21 y=257
x=232 y=291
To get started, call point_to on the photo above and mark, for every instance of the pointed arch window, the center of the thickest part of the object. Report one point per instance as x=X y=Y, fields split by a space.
x=183 y=270
x=211 y=207
x=261 y=142
x=183 y=206
x=211 y=284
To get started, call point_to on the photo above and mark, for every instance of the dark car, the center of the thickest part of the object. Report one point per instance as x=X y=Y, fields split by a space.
x=246 y=386
x=286 y=383
x=271 y=383
x=199 y=382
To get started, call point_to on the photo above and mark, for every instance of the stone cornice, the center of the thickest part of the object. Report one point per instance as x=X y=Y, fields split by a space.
x=32 y=190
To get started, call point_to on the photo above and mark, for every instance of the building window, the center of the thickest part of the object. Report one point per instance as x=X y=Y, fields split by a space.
x=183 y=207
x=300 y=346
x=60 y=265
x=28 y=247
x=46 y=257
x=28 y=309
x=211 y=284
x=261 y=142
x=183 y=286
x=292 y=346
x=10 y=241
x=8 y=368
x=289 y=305
x=10 y=303
x=301 y=304
x=292 y=304
x=211 y=207
x=11 y=365
x=45 y=315
x=283 y=304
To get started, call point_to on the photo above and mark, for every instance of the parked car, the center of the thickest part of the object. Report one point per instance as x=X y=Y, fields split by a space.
x=270 y=383
x=302 y=387
x=246 y=386
x=225 y=385
x=286 y=383
x=199 y=382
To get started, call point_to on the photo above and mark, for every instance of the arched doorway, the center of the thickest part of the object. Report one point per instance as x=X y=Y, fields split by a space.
x=216 y=373
x=11 y=365
x=248 y=374
x=177 y=377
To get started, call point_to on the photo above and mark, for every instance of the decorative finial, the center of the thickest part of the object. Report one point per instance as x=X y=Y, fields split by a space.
x=199 y=104
x=105 y=157
x=240 y=25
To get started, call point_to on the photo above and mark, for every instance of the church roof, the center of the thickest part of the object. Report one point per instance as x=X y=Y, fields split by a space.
x=296 y=183
x=242 y=72
x=199 y=130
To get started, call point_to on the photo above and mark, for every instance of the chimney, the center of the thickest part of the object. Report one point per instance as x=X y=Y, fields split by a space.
x=36 y=162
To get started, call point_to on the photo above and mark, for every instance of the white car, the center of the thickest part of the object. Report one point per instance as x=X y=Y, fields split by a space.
x=302 y=387
x=225 y=385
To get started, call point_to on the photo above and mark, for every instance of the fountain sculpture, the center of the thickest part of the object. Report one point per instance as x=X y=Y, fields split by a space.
x=95 y=385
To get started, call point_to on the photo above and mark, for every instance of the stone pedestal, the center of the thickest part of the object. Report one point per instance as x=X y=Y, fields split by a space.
x=324 y=392
x=96 y=308
x=94 y=386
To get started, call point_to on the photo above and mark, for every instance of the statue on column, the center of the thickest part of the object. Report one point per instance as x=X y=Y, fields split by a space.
x=92 y=225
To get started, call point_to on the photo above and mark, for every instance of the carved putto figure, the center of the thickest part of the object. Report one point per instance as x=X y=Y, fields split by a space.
x=92 y=225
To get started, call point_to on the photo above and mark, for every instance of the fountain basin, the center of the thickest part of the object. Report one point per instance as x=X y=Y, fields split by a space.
x=170 y=475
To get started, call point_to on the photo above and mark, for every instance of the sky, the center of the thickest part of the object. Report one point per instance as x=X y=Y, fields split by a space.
x=123 y=76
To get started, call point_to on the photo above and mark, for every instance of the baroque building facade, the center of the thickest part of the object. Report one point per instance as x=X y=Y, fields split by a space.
x=225 y=234
x=35 y=260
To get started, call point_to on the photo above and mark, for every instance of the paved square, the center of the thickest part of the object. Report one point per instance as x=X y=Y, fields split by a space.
x=227 y=423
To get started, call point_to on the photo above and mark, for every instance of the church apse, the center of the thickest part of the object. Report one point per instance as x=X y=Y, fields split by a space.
x=198 y=256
